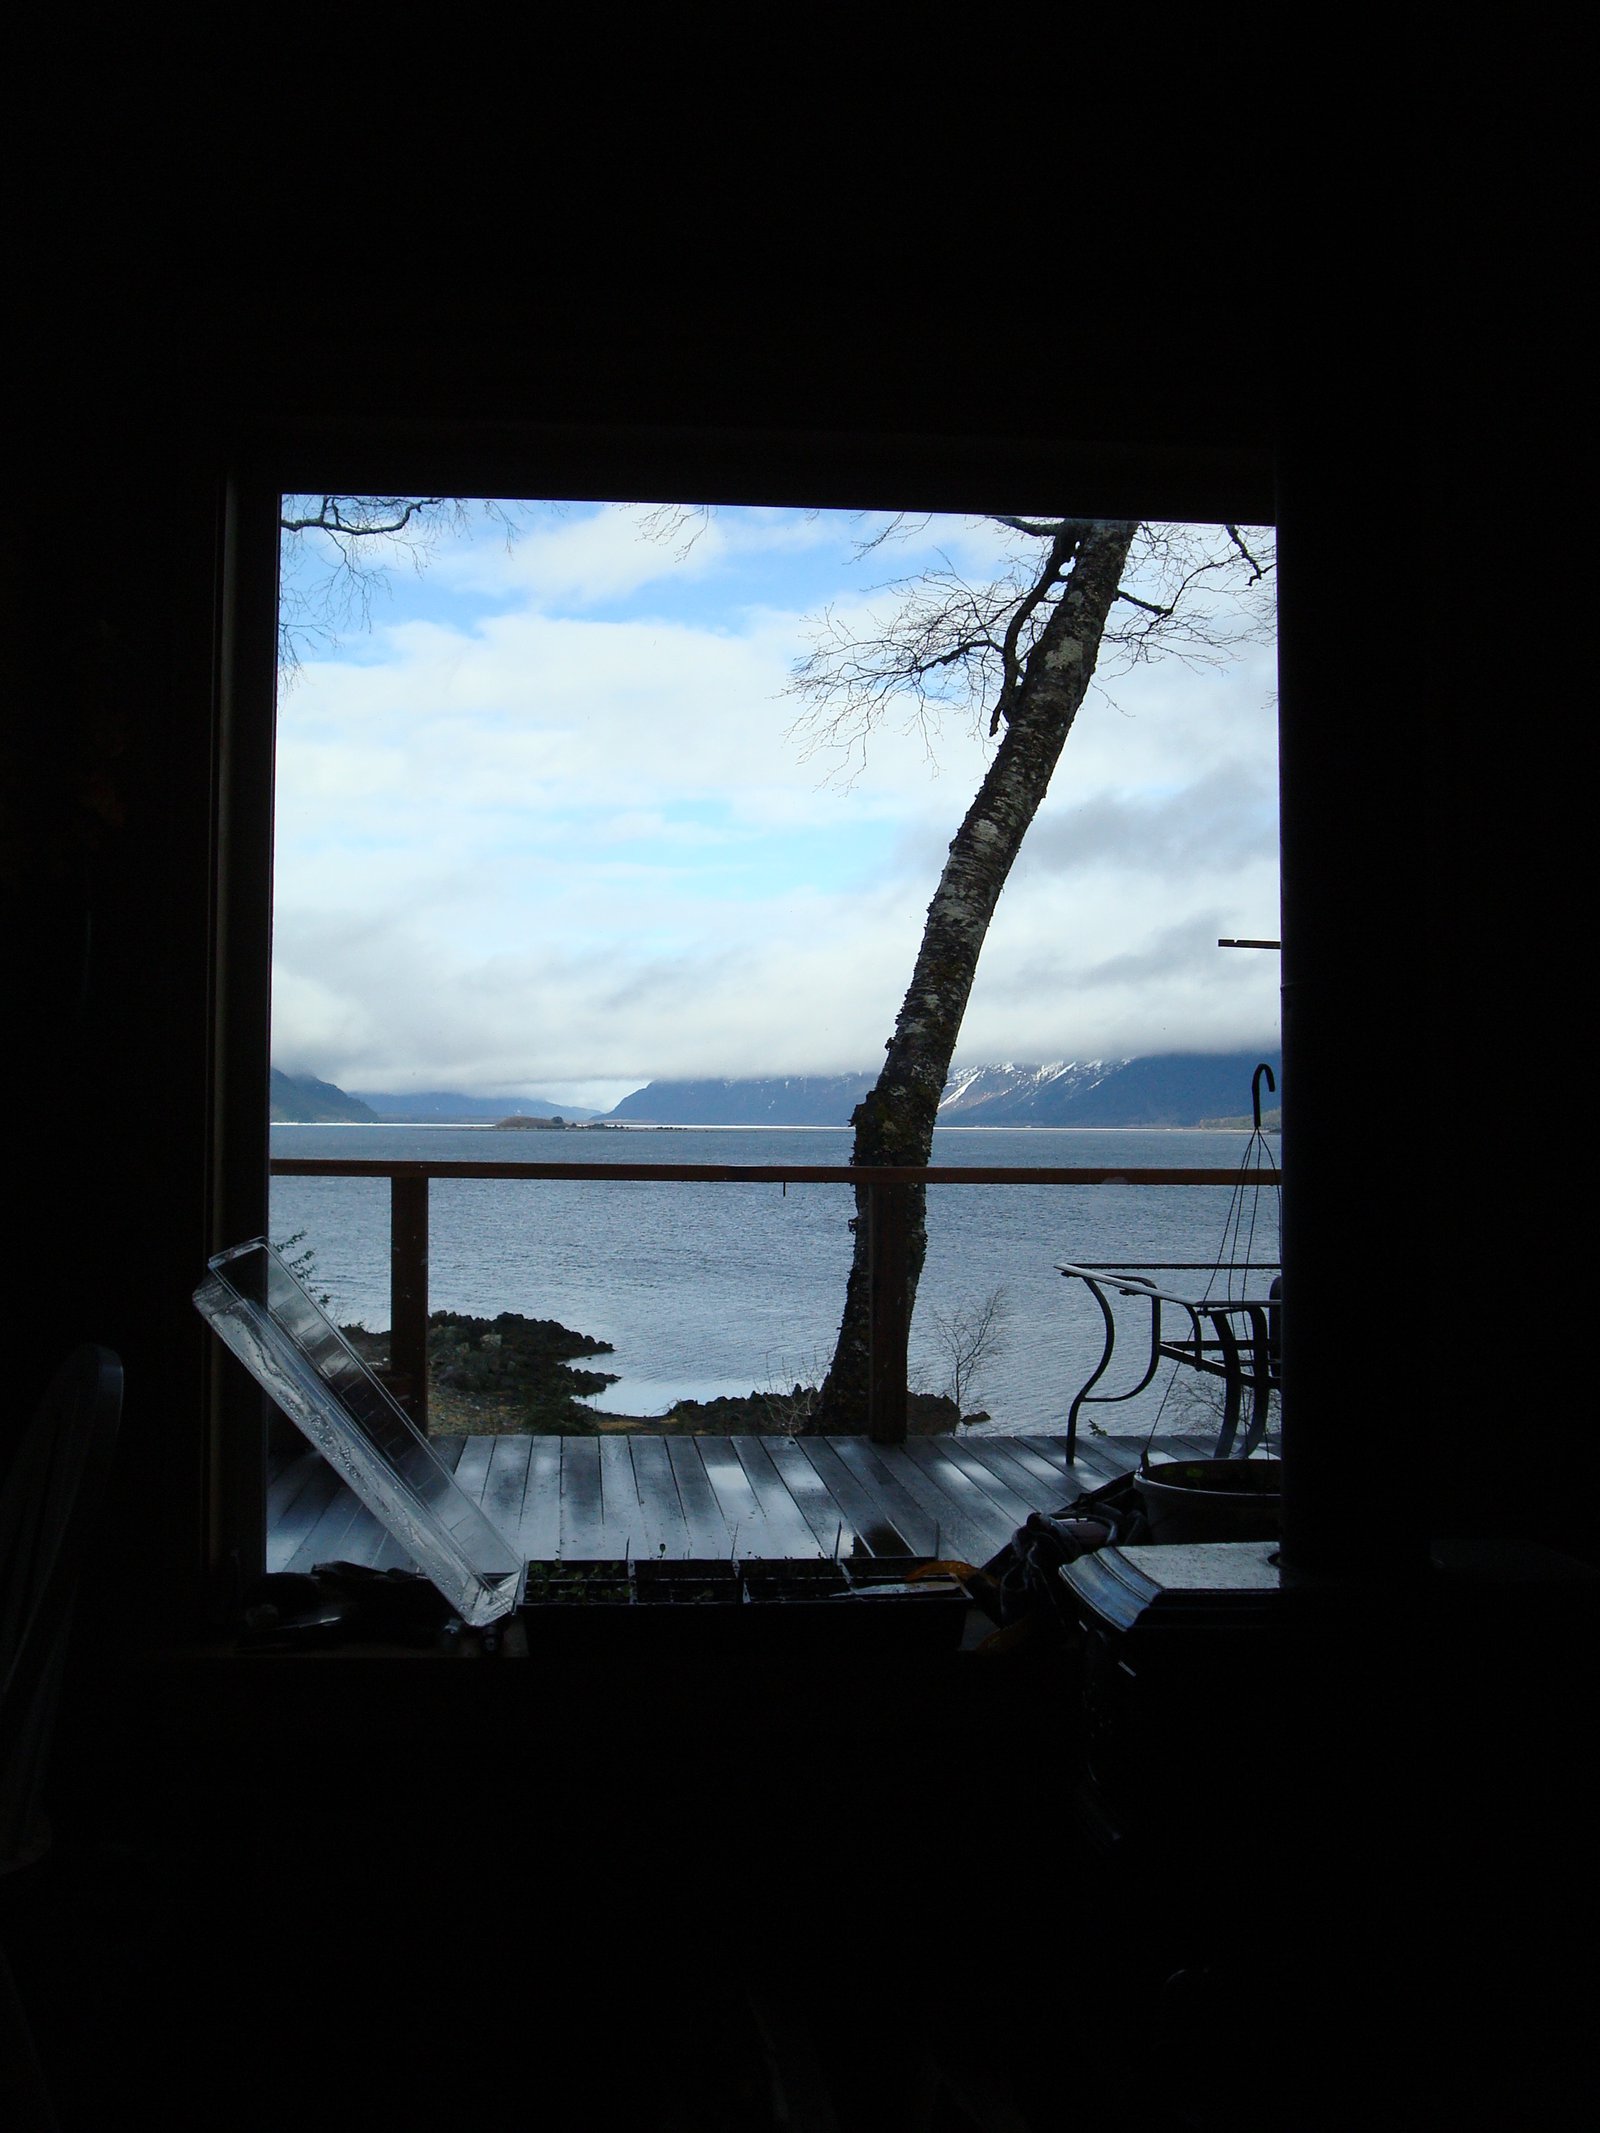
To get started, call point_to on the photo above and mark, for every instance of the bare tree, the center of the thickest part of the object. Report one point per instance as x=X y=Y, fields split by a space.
x=969 y=1338
x=1016 y=656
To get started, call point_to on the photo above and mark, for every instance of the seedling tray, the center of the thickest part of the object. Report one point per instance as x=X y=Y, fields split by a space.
x=755 y=1604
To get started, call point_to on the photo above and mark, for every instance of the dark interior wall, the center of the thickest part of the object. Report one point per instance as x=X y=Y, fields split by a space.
x=109 y=588
x=1250 y=349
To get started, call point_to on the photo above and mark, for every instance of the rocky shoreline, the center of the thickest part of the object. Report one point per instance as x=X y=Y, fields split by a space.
x=513 y=1375
x=494 y=1376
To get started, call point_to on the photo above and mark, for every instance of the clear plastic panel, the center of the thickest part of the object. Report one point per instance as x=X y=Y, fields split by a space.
x=304 y=1363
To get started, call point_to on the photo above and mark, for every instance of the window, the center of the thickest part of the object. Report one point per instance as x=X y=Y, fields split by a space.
x=428 y=694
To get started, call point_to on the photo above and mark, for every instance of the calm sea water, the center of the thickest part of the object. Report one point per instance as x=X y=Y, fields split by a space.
x=713 y=1289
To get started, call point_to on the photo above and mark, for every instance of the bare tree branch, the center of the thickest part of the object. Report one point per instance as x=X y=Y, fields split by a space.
x=362 y=517
x=337 y=552
x=902 y=526
x=950 y=646
x=1039 y=532
x=968 y=1339
x=1062 y=549
x=1258 y=569
x=669 y=521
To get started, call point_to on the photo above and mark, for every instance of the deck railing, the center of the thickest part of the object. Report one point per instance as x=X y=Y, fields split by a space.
x=886 y=1195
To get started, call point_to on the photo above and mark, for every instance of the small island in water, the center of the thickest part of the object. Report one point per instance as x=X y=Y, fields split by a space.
x=520 y=1123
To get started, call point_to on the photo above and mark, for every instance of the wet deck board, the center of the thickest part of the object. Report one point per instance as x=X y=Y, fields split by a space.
x=786 y=1522
x=1016 y=1465
x=823 y=1514
x=750 y=1530
x=863 y=1508
x=296 y=1500
x=507 y=1485
x=583 y=1515
x=336 y=1536
x=1013 y=1489
x=875 y=1467
x=663 y=1528
x=586 y=1497
x=540 y=1529
x=972 y=1503
x=709 y=1534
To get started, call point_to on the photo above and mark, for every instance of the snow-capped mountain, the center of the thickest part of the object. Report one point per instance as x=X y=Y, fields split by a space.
x=1168 y=1089
x=971 y=1090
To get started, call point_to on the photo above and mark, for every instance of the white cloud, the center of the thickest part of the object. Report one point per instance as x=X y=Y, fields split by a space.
x=523 y=849
x=580 y=556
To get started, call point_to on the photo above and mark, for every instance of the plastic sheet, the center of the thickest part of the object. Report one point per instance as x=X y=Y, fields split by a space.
x=304 y=1363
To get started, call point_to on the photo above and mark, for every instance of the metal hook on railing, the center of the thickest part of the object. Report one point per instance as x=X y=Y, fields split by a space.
x=1255 y=1090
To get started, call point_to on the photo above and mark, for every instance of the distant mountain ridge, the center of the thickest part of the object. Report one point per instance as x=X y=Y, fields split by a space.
x=302 y=1100
x=1164 y=1089
x=444 y=1107
x=797 y=1100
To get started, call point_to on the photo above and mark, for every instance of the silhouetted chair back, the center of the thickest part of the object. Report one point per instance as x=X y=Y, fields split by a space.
x=49 y=1510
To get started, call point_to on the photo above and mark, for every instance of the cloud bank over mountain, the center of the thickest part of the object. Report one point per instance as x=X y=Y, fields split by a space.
x=1171 y=1089
x=548 y=830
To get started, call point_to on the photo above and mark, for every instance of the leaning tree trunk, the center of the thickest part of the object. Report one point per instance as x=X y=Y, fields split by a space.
x=894 y=1121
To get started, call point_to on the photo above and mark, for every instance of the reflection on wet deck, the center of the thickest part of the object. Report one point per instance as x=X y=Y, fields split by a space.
x=587 y=1498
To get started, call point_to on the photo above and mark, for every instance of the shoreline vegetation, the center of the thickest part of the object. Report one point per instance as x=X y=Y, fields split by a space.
x=513 y=1375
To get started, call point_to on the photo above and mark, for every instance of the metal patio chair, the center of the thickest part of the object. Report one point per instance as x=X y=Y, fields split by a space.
x=1228 y=1336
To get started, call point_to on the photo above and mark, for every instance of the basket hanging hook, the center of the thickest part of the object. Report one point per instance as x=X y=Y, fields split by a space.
x=1255 y=1090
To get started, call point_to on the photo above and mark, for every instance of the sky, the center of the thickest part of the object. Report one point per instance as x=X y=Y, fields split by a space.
x=546 y=827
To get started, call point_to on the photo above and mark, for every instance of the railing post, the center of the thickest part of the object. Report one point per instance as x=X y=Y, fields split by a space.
x=888 y=1269
x=408 y=1295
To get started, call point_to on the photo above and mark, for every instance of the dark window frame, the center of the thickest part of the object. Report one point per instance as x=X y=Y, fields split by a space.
x=593 y=463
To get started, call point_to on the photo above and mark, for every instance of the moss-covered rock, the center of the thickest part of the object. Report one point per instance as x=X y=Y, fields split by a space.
x=527 y=1364
x=794 y=1414
x=504 y=1373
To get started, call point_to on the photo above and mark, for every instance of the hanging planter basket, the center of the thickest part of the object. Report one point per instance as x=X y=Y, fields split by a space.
x=1212 y=1499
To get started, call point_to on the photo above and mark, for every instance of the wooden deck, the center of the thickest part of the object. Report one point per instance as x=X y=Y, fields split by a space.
x=580 y=1498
